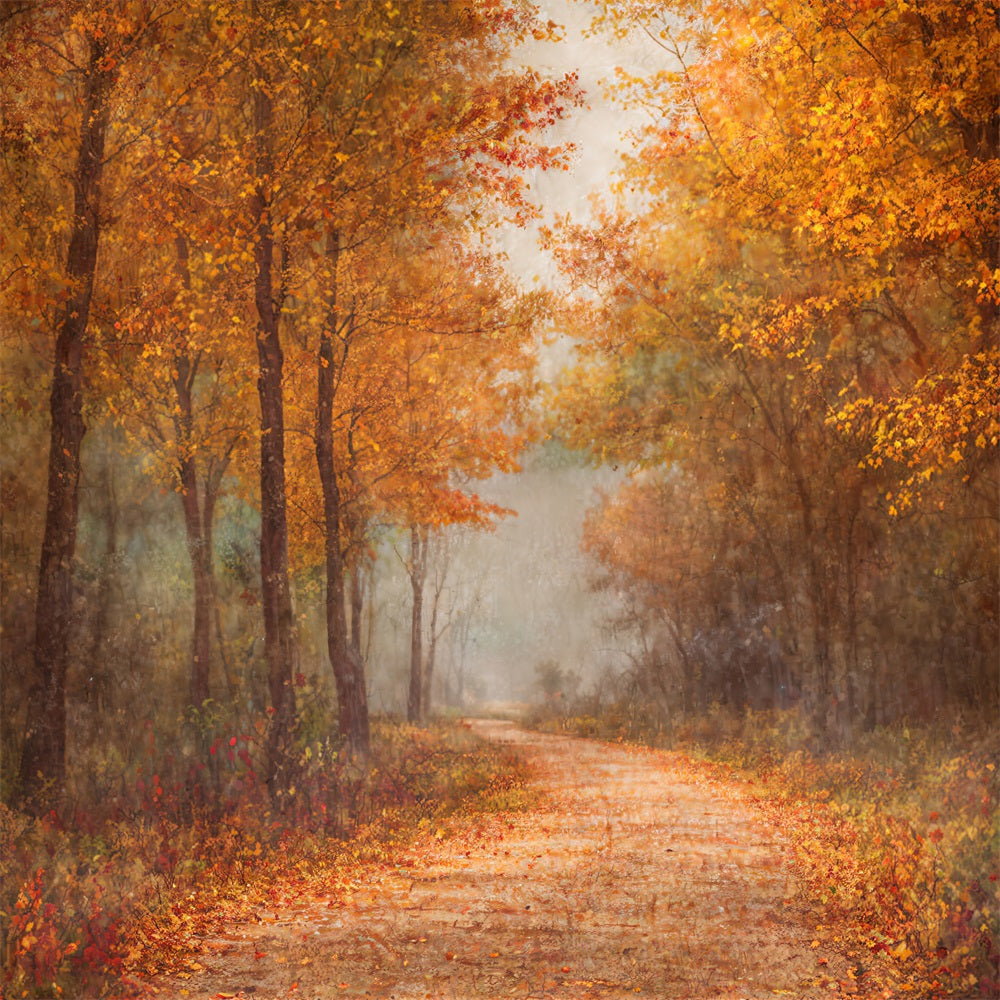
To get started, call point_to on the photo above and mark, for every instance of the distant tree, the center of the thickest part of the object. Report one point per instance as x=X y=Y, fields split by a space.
x=554 y=681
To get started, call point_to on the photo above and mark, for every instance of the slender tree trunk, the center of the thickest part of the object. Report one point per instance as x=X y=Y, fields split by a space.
x=357 y=608
x=687 y=667
x=819 y=605
x=199 y=510
x=200 y=554
x=345 y=659
x=96 y=668
x=185 y=368
x=199 y=513
x=204 y=601
x=275 y=590
x=441 y=573
x=418 y=570
x=43 y=758
x=851 y=579
x=428 y=676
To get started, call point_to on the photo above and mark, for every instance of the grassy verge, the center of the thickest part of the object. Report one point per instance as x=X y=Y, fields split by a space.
x=105 y=894
x=896 y=840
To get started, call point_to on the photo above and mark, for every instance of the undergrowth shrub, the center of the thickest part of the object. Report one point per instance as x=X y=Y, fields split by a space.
x=909 y=865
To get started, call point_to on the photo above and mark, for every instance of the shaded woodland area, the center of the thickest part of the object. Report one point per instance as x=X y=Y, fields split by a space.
x=250 y=306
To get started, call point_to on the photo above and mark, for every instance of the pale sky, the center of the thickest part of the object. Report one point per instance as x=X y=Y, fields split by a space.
x=596 y=129
x=536 y=603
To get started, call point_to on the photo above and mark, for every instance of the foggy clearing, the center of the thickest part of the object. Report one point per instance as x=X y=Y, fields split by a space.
x=634 y=875
x=621 y=375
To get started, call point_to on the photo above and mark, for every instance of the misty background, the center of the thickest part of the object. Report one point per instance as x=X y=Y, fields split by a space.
x=522 y=596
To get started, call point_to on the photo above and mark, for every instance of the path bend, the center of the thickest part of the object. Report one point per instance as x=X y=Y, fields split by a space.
x=633 y=878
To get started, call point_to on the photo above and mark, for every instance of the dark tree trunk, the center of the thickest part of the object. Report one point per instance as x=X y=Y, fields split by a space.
x=276 y=599
x=43 y=758
x=345 y=659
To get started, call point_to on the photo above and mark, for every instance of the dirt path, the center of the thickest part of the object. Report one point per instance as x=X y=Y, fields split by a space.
x=632 y=879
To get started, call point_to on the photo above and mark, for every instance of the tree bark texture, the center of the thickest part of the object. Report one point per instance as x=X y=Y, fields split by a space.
x=43 y=757
x=279 y=649
x=345 y=658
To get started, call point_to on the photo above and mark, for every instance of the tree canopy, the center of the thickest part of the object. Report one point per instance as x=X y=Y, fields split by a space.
x=791 y=326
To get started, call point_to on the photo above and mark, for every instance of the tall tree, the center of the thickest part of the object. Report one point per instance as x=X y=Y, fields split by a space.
x=171 y=366
x=88 y=52
x=174 y=377
x=395 y=165
x=345 y=658
x=276 y=598
x=416 y=568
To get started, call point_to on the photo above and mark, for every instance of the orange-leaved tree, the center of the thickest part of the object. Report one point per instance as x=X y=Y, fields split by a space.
x=805 y=310
x=74 y=98
x=467 y=343
x=171 y=327
x=431 y=134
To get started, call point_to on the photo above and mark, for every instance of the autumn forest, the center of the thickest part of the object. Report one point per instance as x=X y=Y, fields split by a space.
x=264 y=357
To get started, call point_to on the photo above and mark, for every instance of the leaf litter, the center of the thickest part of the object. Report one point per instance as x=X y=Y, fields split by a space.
x=634 y=876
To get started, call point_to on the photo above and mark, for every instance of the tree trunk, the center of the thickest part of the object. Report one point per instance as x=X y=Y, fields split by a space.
x=200 y=555
x=43 y=758
x=197 y=513
x=345 y=659
x=99 y=676
x=357 y=608
x=819 y=605
x=415 y=708
x=275 y=591
x=428 y=676
x=441 y=573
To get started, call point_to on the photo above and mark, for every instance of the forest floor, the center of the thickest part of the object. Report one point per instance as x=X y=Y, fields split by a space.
x=634 y=875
